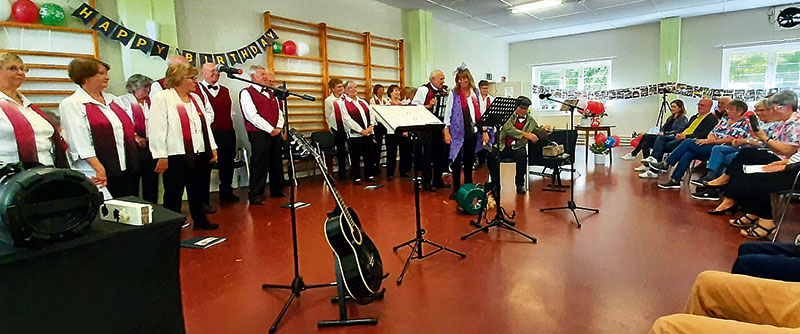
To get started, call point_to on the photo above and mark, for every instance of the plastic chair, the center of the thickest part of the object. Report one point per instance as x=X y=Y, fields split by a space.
x=787 y=197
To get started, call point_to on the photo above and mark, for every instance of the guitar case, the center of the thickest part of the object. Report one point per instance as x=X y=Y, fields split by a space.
x=43 y=204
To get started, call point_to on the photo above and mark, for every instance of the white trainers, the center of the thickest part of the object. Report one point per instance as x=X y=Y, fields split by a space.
x=642 y=168
x=628 y=157
x=649 y=160
x=648 y=175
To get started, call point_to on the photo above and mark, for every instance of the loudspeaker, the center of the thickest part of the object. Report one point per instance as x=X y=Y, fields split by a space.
x=43 y=204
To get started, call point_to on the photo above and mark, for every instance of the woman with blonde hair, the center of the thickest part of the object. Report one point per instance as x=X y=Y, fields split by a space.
x=28 y=135
x=100 y=133
x=181 y=142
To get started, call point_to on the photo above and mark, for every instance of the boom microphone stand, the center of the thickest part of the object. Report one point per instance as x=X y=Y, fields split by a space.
x=297 y=285
x=571 y=206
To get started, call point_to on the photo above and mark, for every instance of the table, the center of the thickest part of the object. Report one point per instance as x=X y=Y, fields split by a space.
x=113 y=279
x=595 y=129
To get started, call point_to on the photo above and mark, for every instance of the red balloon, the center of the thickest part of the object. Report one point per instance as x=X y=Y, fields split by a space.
x=600 y=138
x=635 y=142
x=617 y=141
x=25 y=11
x=289 y=48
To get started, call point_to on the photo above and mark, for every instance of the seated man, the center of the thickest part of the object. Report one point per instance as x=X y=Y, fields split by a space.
x=736 y=126
x=729 y=303
x=779 y=261
x=513 y=140
x=699 y=127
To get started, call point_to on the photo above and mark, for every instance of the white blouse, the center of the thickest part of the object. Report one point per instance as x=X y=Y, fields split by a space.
x=78 y=134
x=330 y=112
x=353 y=128
x=42 y=131
x=127 y=100
x=164 y=125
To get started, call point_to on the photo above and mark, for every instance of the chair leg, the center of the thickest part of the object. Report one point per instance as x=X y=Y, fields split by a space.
x=784 y=208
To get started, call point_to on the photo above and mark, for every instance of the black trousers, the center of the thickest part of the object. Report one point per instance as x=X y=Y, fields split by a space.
x=645 y=145
x=751 y=191
x=749 y=156
x=393 y=143
x=179 y=176
x=226 y=154
x=464 y=160
x=266 y=158
x=431 y=157
x=341 y=153
x=123 y=185
x=148 y=177
x=779 y=261
x=520 y=159
x=366 y=148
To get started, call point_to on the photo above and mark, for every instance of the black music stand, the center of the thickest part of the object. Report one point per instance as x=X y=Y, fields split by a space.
x=418 y=240
x=571 y=206
x=501 y=109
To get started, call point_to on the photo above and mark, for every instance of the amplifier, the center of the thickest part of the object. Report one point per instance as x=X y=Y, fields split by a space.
x=126 y=212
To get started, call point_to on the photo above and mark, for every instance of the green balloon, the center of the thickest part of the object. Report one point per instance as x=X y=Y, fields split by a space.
x=52 y=14
x=277 y=47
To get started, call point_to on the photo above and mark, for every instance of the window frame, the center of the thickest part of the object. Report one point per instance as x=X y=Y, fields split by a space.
x=772 y=59
x=563 y=67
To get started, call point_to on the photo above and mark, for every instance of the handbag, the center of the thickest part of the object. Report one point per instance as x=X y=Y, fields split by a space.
x=553 y=150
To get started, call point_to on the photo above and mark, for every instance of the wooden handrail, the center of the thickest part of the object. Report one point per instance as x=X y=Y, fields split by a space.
x=281 y=55
x=334 y=61
x=38 y=26
x=47 y=92
x=29 y=79
x=386 y=67
x=47 y=67
x=345 y=39
x=378 y=45
x=297 y=31
x=298 y=74
x=286 y=19
x=48 y=53
x=386 y=39
x=356 y=33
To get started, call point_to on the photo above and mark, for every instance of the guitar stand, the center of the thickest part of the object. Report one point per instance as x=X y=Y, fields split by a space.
x=342 y=299
x=416 y=243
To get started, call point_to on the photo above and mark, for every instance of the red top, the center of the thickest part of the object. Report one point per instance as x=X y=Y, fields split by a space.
x=519 y=125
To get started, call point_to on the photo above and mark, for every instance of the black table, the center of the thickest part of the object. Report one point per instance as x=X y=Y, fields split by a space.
x=114 y=279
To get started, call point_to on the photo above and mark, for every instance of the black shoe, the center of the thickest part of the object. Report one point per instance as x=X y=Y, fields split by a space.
x=700 y=167
x=228 y=198
x=342 y=177
x=708 y=195
x=428 y=187
x=671 y=184
x=452 y=196
x=521 y=190
x=731 y=210
x=660 y=166
x=697 y=182
x=256 y=201
x=209 y=209
x=405 y=175
x=278 y=195
x=370 y=179
x=441 y=184
x=205 y=226
x=357 y=181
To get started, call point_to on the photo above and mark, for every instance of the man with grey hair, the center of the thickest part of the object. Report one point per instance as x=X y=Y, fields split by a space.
x=431 y=155
x=158 y=85
x=263 y=121
x=722 y=107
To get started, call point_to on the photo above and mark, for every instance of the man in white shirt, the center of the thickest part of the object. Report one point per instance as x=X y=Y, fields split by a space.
x=485 y=101
x=432 y=149
x=263 y=121
x=360 y=126
x=218 y=96
x=333 y=117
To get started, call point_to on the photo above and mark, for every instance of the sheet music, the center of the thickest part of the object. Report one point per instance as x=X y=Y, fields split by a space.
x=393 y=117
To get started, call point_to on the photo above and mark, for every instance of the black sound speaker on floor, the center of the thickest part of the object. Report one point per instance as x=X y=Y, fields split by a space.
x=43 y=204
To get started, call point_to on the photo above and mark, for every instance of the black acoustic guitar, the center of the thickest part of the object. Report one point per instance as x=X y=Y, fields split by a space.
x=359 y=261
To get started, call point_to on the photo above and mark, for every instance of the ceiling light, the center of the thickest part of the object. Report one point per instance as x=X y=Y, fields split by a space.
x=531 y=6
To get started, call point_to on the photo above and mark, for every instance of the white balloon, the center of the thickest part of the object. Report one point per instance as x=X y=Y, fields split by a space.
x=302 y=48
x=5 y=10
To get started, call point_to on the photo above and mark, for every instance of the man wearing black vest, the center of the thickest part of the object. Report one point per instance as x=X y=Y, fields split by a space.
x=433 y=160
x=220 y=99
x=263 y=121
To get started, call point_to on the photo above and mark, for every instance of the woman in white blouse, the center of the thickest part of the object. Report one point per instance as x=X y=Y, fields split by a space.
x=27 y=134
x=180 y=140
x=137 y=105
x=100 y=134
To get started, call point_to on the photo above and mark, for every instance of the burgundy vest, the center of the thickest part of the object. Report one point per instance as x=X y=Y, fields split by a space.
x=162 y=84
x=222 y=108
x=267 y=108
x=105 y=143
x=356 y=115
x=431 y=94
x=519 y=125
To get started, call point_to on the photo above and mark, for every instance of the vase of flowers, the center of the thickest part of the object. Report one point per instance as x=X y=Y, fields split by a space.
x=593 y=114
x=600 y=152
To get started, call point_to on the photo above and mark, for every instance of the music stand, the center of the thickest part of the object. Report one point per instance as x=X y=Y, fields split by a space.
x=501 y=109
x=413 y=119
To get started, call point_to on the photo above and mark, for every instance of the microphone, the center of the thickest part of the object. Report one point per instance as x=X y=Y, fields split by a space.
x=227 y=69
x=544 y=96
x=753 y=120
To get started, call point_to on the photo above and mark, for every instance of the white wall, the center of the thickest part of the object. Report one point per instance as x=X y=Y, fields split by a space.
x=635 y=52
x=453 y=45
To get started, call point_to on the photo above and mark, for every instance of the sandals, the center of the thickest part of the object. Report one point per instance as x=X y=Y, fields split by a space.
x=752 y=232
x=742 y=222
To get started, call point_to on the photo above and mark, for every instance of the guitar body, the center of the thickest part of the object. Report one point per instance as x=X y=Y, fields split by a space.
x=359 y=261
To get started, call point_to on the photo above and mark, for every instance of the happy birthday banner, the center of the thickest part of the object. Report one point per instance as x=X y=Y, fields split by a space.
x=154 y=48
x=748 y=95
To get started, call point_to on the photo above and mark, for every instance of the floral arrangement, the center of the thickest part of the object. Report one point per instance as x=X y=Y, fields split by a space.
x=594 y=109
x=603 y=144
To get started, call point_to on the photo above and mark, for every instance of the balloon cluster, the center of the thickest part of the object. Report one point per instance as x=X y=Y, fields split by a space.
x=26 y=11
x=608 y=142
x=291 y=48
x=52 y=14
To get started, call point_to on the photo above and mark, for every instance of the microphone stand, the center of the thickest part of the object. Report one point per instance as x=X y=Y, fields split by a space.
x=571 y=206
x=297 y=285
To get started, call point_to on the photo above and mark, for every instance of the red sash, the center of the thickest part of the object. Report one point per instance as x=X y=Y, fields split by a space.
x=465 y=107
x=23 y=132
x=186 y=130
x=105 y=143
x=138 y=120
x=59 y=144
x=356 y=115
x=488 y=103
x=338 y=113
x=162 y=83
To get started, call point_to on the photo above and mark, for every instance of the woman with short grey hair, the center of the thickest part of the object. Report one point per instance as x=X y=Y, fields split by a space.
x=137 y=105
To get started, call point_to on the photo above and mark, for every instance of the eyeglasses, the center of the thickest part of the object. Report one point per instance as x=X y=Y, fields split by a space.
x=14 y=68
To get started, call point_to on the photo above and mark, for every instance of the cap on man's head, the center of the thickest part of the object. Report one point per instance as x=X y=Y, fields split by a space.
x=523 y=102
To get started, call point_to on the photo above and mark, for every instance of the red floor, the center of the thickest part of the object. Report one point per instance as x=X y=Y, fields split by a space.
x=628 y=265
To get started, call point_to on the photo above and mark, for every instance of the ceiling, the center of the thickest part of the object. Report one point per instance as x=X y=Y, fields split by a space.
x=494 y=18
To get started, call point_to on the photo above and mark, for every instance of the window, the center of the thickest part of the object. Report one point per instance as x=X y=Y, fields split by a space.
x=759 y=67
x=589 y=75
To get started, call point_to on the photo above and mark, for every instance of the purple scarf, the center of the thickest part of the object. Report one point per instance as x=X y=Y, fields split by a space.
x=457 y=128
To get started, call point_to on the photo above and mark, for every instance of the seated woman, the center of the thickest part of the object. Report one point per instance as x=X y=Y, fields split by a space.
x=782 y=143
x=29 y=135
x=737 y=126
x=779 y=261
x=676 y=123
x=727 y=303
